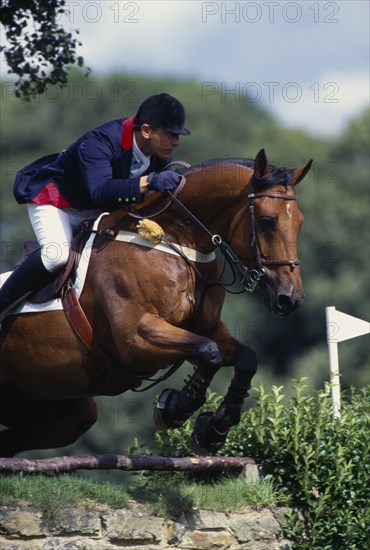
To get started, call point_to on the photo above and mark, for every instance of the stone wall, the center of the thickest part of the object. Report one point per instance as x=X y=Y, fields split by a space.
x=102 y=528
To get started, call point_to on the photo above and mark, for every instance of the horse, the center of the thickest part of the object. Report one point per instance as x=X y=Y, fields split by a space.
x=149 y=308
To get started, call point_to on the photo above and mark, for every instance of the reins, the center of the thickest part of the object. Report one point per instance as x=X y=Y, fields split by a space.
x=238 y=269
x=249 y=279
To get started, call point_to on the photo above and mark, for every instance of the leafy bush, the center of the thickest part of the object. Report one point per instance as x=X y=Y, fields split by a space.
x=320 y=462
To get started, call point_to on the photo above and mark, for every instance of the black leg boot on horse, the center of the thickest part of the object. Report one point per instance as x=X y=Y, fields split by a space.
x=175 y=407
x=211 y=429
x=28 y=276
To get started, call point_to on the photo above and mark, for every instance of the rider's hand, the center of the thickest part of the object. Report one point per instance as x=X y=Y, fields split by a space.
x=162 y=181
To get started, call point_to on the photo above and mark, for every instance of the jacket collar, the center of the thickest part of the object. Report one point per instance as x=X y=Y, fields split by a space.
x=127 y=133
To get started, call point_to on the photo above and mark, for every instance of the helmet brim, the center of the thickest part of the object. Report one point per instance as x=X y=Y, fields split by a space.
x=180 y=132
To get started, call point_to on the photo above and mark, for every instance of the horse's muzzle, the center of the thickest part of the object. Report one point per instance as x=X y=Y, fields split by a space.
x=282 y=299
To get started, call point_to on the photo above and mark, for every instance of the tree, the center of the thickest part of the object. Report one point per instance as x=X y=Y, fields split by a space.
x=38 y=49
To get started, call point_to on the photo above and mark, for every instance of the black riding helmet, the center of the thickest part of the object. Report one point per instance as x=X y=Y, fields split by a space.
x=164 y=111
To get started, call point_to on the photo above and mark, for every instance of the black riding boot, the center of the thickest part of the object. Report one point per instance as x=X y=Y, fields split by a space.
x=29 y=275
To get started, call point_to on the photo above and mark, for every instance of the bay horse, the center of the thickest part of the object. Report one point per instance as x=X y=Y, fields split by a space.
x=149 y=308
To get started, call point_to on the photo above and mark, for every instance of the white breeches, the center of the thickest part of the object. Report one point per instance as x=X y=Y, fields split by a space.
x=54 y=229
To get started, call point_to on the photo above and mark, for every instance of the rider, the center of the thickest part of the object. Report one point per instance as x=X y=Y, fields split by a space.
x=109 y=167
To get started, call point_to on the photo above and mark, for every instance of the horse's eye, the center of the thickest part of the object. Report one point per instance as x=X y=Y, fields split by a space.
x=267 y=223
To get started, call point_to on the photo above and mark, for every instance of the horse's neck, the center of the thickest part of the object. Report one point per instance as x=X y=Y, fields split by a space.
x=215 y=196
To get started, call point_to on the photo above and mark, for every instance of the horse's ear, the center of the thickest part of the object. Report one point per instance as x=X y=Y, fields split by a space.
x=300 y=173
x=261 y=165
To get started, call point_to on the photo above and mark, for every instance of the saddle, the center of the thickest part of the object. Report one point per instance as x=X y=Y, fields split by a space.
x=68 y=274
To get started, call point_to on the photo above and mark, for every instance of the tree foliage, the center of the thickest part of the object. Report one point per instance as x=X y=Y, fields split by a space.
x=38 y=50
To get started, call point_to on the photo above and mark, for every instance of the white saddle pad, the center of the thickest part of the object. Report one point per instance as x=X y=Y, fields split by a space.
x=124 y=236
x=56 y=304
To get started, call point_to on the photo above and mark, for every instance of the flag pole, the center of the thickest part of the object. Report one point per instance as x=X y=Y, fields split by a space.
x=331 y=330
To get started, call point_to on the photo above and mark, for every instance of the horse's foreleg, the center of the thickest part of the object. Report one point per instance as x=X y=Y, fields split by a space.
x=51 y=425
x=168 y=342
x=174 y=407
x=211 y=429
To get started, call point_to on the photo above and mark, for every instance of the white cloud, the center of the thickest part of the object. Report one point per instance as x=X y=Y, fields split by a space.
x=326 y=106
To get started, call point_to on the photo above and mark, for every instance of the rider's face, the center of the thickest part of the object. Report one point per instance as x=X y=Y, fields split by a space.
x=158 y=141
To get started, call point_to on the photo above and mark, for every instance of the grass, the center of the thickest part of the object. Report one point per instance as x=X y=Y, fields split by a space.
x=54 y=493
x=169 y=497
x=166 y=494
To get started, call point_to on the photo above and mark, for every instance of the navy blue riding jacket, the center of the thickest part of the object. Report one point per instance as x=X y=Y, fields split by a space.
x=94 y=172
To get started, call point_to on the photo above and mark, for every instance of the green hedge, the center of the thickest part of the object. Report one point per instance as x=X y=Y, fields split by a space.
x=320 y=462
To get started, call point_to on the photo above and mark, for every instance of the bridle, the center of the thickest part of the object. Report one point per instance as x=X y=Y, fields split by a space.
x=260 y=262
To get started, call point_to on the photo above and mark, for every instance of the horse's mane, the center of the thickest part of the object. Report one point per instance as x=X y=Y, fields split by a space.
x=277 y=175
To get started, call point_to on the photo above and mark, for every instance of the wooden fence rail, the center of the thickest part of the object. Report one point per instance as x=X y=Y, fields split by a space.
x=120 y=462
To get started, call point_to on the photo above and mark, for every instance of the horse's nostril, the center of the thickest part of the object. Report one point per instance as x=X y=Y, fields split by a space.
x=285 y=303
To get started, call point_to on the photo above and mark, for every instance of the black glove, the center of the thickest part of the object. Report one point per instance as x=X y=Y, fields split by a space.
x=161 y=181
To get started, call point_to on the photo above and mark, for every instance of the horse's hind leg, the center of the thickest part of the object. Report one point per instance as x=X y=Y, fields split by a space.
x=51 y=425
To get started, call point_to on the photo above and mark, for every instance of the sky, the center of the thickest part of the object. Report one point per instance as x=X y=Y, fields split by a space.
x=305 y=61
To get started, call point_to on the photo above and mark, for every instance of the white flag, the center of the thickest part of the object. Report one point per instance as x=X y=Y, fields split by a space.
x=341 y=326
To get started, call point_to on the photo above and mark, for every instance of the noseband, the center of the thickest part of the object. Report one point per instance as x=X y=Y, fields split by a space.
x=260 y=262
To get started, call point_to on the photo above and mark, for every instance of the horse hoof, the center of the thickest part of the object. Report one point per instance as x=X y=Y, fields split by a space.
x=205 y=439
x=162 y=415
